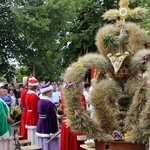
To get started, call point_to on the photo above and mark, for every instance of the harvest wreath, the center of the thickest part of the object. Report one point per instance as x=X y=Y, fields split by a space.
x=121 y=99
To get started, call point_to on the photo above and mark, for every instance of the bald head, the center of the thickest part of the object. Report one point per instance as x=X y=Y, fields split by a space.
x=1 y=92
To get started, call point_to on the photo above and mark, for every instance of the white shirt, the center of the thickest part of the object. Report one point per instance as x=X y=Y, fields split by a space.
x=14 y=100
x=91 y=108
x=56 y=97
x=87 y=95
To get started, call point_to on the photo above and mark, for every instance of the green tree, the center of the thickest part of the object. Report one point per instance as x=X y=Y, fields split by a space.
x=39 y=24
x=80 y=37
x=48 y=35
x=145 y=23
x=9 y=41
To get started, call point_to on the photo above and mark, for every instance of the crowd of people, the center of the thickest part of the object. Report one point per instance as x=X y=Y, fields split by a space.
x=40 y=120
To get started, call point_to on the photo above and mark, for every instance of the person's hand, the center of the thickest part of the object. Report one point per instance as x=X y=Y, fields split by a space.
x=10 y=120
x=57 y=104
x=59 y=116
x=7 y=103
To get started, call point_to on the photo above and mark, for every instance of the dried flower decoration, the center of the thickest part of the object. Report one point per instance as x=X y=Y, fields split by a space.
x=68 y=84
x=110 y=40
x=69 y=116
x=126 y=134
x=79 y=64
x=145 y=59
x=117 y=136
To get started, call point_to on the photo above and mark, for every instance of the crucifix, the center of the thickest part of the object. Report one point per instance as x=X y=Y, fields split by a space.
x=124 y=12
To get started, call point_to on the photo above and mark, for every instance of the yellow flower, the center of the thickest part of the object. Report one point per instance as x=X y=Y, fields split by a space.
x=126 y=134
x=79 y=64
x=15 y=112
x=69 y=116
x=59 y=110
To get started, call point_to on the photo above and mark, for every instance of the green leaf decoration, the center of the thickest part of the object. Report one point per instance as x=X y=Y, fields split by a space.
x=110 y=40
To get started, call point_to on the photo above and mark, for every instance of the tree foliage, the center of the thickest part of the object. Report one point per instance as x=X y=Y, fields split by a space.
x=48 y=35
x=39 y=24
x=145 y=23
x=9 y=41
x=81 y=34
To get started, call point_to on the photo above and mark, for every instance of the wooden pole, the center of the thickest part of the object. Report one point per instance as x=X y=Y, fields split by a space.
x=53 y=136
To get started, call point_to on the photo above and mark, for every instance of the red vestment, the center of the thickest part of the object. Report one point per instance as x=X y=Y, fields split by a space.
x=32 y=109
x=23 y=130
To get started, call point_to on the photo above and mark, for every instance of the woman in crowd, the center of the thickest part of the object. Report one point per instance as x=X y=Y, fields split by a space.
x=31 y=100
x=12 y=95
x=6 y=138
x=7 y=98
x=47 y=123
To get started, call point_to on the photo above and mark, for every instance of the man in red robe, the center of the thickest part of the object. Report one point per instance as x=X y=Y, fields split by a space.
x=23 y=130
x=31 y=101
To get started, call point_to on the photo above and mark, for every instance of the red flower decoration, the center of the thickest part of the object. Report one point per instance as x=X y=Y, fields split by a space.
x=145 y=59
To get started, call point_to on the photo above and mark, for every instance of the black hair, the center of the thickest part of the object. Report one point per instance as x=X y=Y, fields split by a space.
x=87 y=85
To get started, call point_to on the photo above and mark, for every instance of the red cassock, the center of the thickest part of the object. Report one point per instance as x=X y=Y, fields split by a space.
x=23 y=130
x=32 y=111
x=68 y=137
